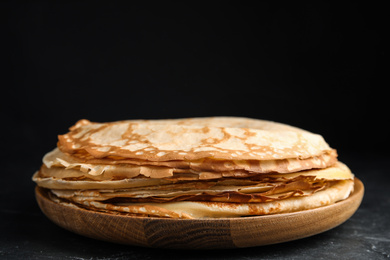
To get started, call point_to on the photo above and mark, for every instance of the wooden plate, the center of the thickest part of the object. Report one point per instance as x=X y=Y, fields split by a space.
x=201 y=233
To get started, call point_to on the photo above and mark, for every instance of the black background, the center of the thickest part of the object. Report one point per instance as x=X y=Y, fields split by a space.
x=319 y=66
x=315 y=65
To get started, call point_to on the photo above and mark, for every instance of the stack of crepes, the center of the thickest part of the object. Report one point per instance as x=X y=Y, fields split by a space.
x=193 y=168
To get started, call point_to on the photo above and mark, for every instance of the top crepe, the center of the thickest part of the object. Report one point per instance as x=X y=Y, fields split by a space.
x=225 y=138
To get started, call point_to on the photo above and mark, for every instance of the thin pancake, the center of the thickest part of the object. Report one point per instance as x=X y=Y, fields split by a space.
x=60 y=178
x=222 y=191
x=189 y=209
x=189 y=139
x=165 y=169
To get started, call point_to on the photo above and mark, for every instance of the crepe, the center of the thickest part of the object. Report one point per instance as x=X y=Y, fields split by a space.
x=193 y=168
x=190 y=139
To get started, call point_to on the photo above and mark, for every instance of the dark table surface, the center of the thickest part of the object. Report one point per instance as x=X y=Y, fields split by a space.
x=27 y=234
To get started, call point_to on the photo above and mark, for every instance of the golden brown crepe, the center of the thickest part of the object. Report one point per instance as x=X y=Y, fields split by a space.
x=193 y=168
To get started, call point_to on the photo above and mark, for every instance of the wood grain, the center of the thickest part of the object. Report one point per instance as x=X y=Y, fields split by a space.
x=201 y=233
